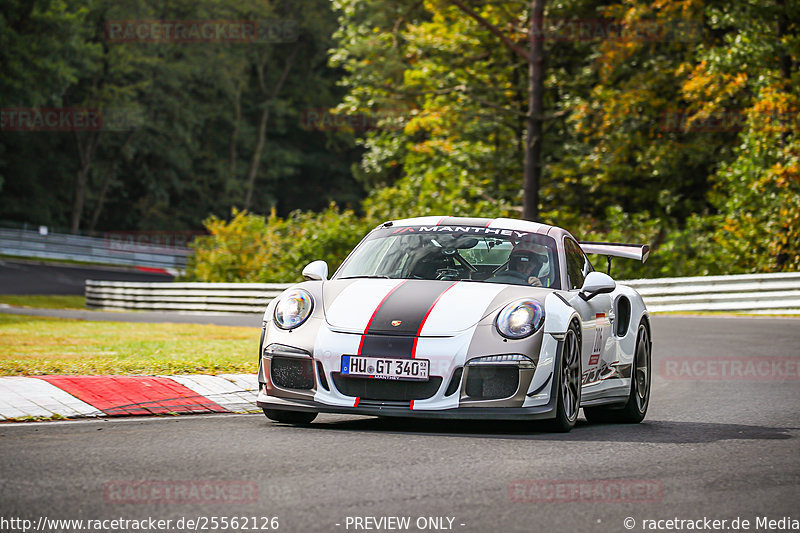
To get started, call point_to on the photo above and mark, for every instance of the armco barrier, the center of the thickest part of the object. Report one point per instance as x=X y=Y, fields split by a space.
x=27 y=243
x=192 y=297
x=752 y=293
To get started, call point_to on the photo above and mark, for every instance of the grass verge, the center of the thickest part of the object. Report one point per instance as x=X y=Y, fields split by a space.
x=36 y=346
x=46 y=301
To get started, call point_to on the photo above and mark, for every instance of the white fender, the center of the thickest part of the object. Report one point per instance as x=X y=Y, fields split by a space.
x=557 y=314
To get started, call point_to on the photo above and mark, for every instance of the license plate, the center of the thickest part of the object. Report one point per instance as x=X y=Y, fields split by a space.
x=385 y=368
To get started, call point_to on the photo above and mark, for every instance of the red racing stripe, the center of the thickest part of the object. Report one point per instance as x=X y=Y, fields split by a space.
x=366 y=329
x=425 y=318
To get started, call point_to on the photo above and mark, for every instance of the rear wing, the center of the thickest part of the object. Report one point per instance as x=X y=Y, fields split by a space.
x=640 y=252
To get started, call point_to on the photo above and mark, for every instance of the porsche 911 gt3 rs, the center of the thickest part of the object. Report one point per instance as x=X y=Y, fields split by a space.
x=447 y=317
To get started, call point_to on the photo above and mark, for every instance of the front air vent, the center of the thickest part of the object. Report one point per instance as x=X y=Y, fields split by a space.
x=323 y=381
x=386 y=389
x=488 y=382
x=452 y=388
x=292 y=372
x=623 y=316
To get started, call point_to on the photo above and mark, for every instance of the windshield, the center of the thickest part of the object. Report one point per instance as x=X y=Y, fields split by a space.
x=455 y=253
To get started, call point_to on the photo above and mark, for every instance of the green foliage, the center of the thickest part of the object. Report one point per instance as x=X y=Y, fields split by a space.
x=328 y=235
x=192 y=115
x=445 y=184
x=675 y=251
x=44 y=47
x=252 y=248
x=240 y=250
x=757 y=193
x=625 y=156
x=450 y=94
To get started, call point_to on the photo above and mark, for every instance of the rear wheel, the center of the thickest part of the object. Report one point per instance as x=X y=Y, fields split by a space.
x=568 y=385
x=290 y=417
x=635 y=409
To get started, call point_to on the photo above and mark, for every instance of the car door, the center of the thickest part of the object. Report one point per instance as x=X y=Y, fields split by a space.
x=598 y=345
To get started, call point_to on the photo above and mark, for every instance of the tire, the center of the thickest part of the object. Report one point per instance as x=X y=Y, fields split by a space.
x=290 y=417
x=635 y=409
x=568 y=384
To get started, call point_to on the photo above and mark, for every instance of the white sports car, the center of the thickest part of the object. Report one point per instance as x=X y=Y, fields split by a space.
x=446 y=317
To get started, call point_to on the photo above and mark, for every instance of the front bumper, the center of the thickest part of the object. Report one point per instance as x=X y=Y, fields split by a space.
x=544 y=412
x=529 y=399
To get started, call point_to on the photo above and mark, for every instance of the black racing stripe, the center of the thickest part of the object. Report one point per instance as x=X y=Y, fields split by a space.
x=407 y=307
x=459 y=221
x=387 y=346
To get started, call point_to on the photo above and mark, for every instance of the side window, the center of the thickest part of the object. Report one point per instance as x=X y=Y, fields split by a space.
x=578 y=266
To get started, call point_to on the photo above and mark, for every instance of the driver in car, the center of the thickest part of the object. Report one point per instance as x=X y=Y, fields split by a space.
x=526 y=263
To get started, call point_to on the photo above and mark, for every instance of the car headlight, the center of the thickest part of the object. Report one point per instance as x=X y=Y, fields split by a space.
x=520 y=319
x=293 y=309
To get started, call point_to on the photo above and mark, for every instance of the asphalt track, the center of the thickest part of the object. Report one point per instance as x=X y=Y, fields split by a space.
x=712 y=449
x=31 y=277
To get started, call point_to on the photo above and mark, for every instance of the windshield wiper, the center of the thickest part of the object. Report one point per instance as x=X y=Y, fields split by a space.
x=368 y=277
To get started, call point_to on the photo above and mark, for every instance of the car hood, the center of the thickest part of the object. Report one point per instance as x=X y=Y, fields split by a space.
x=414 y=307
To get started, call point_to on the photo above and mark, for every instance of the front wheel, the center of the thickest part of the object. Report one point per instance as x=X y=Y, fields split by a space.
x=290 y=417
x=635 y=409
x=568 y=384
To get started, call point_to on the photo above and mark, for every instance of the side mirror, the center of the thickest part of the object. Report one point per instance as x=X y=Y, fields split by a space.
x=597 y=283
x=316 y=271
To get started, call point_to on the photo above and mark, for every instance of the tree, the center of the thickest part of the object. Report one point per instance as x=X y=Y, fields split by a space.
x=535 y=57
x=195 y=143
x=750 y=74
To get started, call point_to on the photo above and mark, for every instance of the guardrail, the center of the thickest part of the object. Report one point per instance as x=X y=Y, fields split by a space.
x=47 y=245
x=191 y=297
x=752 y=293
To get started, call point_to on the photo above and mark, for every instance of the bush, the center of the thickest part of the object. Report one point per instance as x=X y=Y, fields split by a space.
x=253 y=248
x=675 y=251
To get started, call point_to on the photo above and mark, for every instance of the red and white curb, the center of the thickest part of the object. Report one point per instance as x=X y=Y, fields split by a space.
x=98 y=396
x=166 y=271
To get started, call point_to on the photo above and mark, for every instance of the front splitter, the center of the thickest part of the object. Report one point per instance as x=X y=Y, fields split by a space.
x=543 y=412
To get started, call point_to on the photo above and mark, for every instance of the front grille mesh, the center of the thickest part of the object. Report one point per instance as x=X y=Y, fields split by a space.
x=292 y=372
x=488 y=382
x=386 y=389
